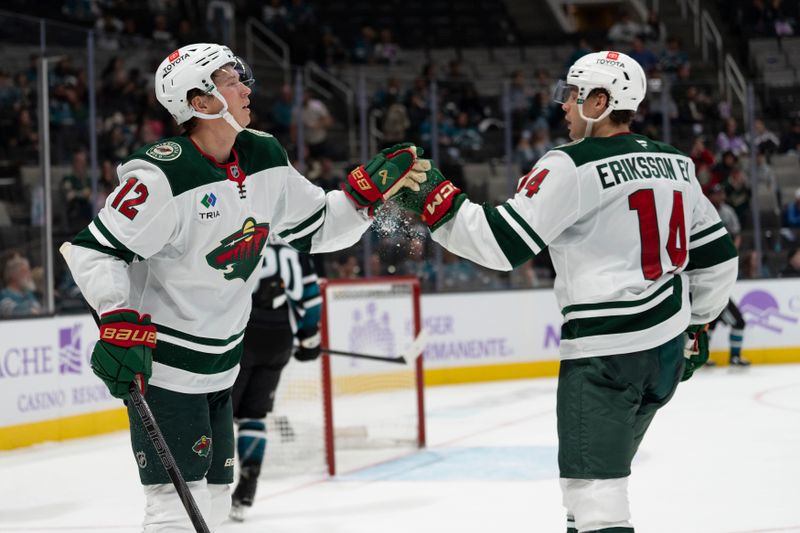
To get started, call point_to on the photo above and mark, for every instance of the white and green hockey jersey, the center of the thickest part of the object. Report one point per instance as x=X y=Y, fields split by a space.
x=639 y=252
x=181 y=238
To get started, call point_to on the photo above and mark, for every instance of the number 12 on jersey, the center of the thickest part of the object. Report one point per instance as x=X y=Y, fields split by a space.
x=128 y=207
x=643 y=202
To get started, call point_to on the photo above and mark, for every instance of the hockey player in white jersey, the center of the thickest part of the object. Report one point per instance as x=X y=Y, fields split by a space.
x=640 y=257
x=179 y=241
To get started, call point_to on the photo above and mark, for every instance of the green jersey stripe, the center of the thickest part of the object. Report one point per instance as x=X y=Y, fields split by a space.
x=525 y=226
x=302 y=244
x=703 y=233
x=194 y=361
x=672 y=284
x=713 y=253
x=116 y=243
x=87 y=240
x=289 y=234
x=511 y=244
x=208 y=341
x=611 y=325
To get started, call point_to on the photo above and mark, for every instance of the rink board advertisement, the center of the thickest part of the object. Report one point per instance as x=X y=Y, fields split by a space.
x=45 y=374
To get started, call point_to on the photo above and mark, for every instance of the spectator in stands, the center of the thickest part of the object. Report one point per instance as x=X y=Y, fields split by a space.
x=738 y=194
x=524 y=154
x=753 y=267
x=643 y=55
x=415 y=263
x=327 y=177
x=672 y=58
x=281 y=113
x=364 y=47
x=106 y=184
x=109 y=30
x=25 y=136
x=726 y=213
x=17 y=297
x=792 y=268
x=346 y=266
x=519 y=97
x=766 y=141
x=730 y=140
x=791 y=213
x=317 y=120
x=722 y=170
x=790 y=142
x=768 y=184
x=78 y=190
x=131 y=37
x=189 y=32
x=466 y=137
x=456 y=83
x=392 y=89
x=161 y=32
x=9 y=92
x=387 y=51
x=275 y=16
x=622 y=33
x=395 y=122
x=703 y=160
x=331 y=50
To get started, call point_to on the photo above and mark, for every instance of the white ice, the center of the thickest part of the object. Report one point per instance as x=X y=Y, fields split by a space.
x=722 y=457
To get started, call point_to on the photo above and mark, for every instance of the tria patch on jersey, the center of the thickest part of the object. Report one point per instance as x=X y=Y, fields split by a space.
x=166 y=151
x=240 y=253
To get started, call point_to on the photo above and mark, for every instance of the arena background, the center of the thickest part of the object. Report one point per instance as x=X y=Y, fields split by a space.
x=468 y=81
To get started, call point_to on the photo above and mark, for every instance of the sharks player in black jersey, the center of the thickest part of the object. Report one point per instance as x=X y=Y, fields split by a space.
x=286 y=311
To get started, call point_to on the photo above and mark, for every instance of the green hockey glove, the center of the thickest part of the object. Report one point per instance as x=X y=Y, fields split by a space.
x=124 y=351
x=695 y=350
x=368 y=186
x=308 y=347
x=436 y=201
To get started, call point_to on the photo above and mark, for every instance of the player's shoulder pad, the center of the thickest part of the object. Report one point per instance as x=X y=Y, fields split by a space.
x=259 y=151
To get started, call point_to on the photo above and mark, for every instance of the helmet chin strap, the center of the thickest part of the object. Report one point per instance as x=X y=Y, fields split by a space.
x=224 y=114
x=590 y=122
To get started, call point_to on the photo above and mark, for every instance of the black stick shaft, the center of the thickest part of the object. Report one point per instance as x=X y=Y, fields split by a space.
x=154 y=433
x=399 y=360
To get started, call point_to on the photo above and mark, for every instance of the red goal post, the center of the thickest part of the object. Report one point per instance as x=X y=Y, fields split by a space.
x=376 y=316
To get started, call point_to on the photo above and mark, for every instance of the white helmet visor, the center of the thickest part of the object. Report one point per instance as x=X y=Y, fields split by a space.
x=563 y=91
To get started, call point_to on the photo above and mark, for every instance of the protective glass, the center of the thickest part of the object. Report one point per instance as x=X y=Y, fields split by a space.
x=563 y=92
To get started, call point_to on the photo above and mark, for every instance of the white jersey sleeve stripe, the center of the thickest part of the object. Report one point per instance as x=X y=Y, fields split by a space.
x=97 y=234
x=522 y=228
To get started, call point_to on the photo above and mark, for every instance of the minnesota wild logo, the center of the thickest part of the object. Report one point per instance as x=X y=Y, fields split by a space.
x=239 y=254
x=202 y=446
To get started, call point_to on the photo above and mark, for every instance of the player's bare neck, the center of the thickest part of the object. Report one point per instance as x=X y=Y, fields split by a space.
x=215 y=141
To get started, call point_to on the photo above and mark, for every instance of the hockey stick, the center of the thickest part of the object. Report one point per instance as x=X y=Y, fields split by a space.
x=157 y=439
x=154 y=433
x=413 y=351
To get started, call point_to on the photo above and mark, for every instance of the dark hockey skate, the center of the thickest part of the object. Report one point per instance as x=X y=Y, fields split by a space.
x=245 y=492
x=738 y=361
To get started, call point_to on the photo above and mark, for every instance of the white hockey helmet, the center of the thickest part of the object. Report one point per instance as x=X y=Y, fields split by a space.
x=190 y=67
x=619 y=74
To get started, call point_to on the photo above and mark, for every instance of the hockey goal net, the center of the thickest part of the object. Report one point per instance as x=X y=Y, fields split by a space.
x=341 y=413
